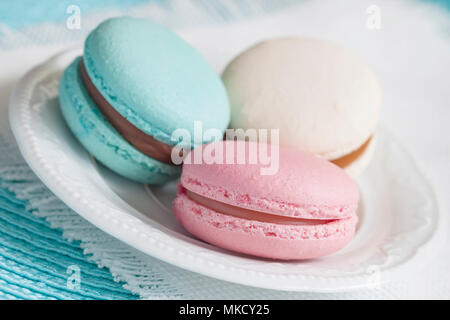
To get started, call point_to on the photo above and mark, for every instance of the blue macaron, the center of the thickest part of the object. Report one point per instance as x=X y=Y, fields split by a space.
x=150 y=79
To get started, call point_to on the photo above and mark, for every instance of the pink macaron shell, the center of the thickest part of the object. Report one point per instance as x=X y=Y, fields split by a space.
x=268 y=240
x=304 y=186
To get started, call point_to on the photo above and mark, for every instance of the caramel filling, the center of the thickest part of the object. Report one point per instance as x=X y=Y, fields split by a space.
x=249 y=214
x=140 y=140
x=348 y=159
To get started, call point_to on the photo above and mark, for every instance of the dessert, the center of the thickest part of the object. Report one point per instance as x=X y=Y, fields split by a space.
x=137 y=83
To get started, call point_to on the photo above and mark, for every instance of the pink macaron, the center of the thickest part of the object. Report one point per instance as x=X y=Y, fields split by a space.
x=305 y=208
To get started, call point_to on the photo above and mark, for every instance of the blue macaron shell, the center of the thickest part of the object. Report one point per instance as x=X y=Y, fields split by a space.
x=96 y=134
x=153 y=78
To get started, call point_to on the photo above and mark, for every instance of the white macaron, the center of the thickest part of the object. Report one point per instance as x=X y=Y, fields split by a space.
x=323 y=99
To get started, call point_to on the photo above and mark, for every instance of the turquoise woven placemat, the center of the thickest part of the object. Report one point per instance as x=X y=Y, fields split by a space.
x=37 y=263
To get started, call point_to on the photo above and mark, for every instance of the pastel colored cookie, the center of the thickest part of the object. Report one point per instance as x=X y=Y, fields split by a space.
x=324 y=99
x=136 y=84
x=306 y=209
x=98 y=136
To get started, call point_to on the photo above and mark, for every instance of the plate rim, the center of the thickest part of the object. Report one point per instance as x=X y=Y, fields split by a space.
x=165 y=252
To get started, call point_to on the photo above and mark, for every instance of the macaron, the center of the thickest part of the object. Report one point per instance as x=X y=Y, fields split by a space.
x=305 y=209
x=135 y=85
x=324 y=99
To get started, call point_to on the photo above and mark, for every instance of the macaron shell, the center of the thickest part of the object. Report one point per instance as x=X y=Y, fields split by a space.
x=263 y=239
x=324 y=99
x=154 y=79
x=304 y=186
x=101 y=139
x=355 y=168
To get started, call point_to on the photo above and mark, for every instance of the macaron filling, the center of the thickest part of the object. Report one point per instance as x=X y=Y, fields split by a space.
x=141 y=141
x=249 y=214
x=351 y=157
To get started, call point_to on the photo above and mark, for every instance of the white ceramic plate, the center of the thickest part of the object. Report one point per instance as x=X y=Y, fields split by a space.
x=399 y=227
